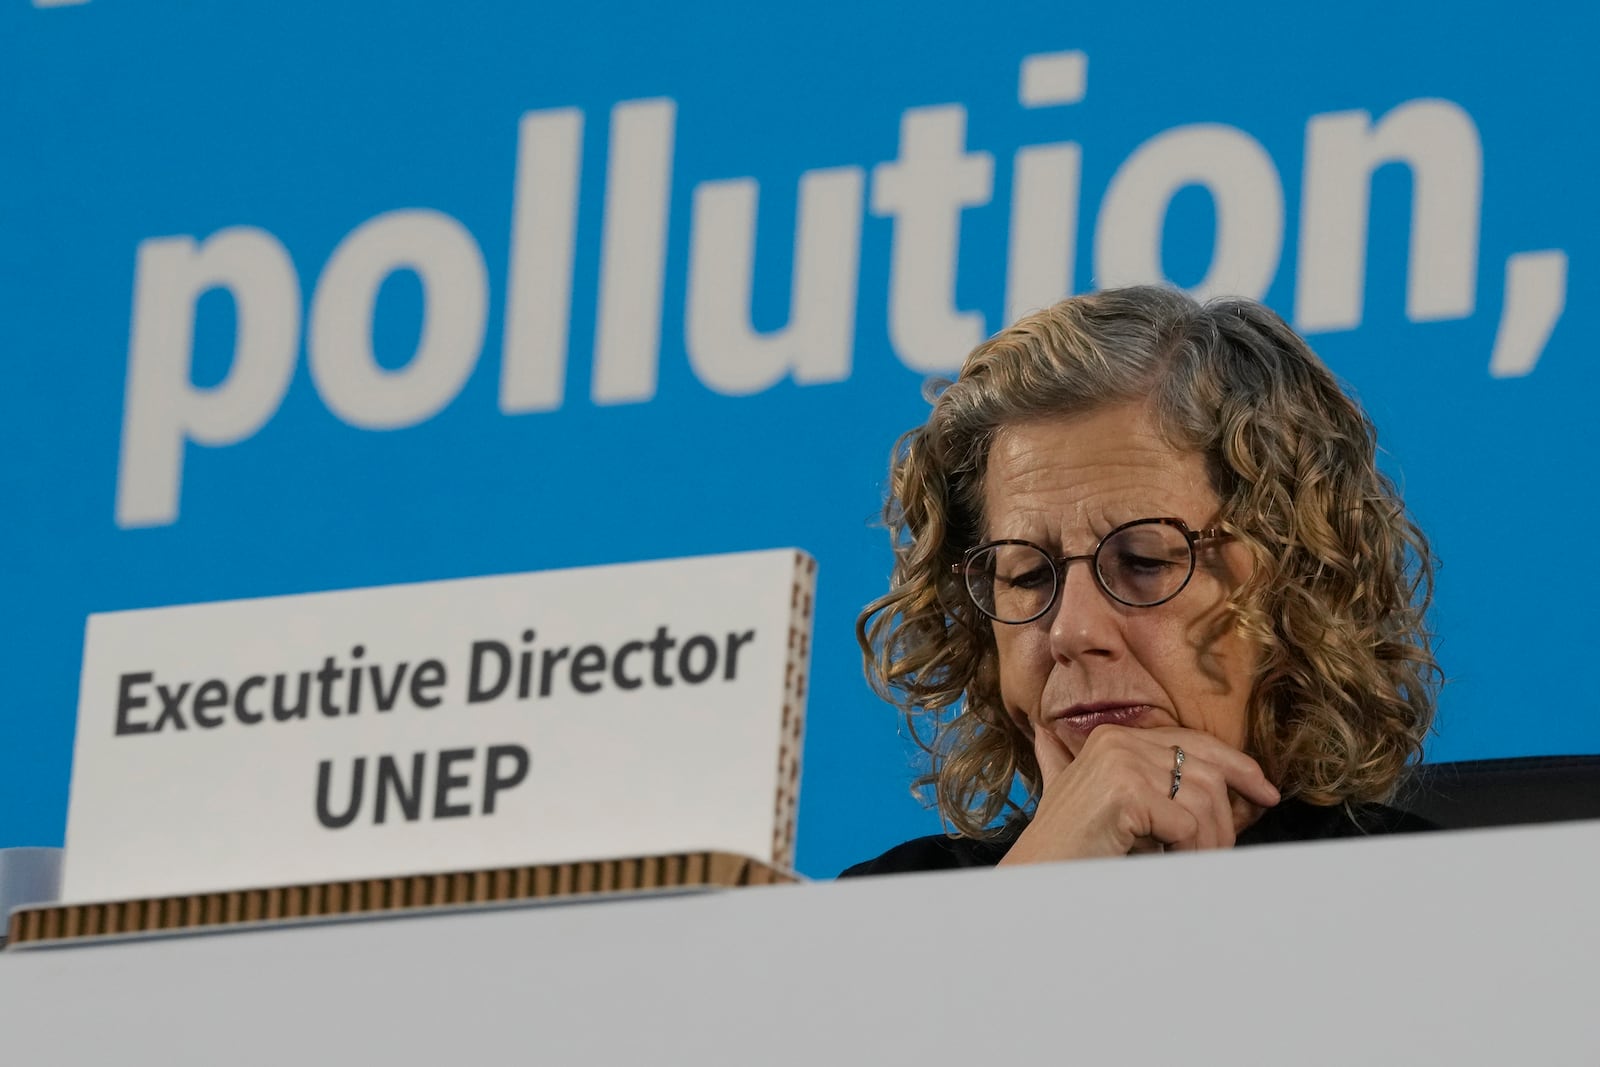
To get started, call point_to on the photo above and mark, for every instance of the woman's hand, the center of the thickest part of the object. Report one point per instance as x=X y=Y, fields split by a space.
x=1114 y=798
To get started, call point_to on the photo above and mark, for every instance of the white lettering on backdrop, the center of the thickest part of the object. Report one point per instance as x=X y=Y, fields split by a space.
x=924 y=190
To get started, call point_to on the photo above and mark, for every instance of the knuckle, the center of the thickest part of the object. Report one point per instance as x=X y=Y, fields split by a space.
x=1205 y=779
x=1201 y=800
x=1123 y=791
x=1111 y=758
x=1107 y=738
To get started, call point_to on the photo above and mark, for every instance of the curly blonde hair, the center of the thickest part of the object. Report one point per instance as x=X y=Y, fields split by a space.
x=1345 y=689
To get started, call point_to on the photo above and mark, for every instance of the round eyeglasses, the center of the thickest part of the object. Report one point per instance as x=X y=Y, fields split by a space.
x=1141 y=564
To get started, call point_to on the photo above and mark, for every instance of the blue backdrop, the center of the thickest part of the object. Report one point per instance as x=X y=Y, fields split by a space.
x=299 y=296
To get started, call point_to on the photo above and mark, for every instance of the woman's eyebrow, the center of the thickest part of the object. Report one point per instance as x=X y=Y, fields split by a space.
x=1026 y=526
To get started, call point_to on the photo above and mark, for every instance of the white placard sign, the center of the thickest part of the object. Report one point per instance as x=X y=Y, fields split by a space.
x=600 y=712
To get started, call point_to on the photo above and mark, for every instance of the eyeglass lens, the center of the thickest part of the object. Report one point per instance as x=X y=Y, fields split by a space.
x=1139 y=565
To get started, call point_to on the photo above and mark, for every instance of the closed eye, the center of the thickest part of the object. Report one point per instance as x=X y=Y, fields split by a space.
x=1037 y=578
x=1135 y=564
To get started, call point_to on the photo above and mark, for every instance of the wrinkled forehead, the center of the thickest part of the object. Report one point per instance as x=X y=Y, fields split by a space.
x=1065 y=478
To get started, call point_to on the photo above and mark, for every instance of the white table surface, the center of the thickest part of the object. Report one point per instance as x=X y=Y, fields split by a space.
x=1463 y=948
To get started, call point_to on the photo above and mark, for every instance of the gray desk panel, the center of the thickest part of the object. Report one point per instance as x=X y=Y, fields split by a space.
x=1474 y=947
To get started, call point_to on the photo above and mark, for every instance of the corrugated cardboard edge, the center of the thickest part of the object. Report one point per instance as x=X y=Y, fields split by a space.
x=802 y=599
x=61 y=923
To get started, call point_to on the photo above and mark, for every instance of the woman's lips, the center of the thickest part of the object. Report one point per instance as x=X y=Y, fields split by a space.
x=1085 y=717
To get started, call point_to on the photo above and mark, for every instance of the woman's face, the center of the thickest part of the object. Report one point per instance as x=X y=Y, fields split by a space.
x=1066 y=483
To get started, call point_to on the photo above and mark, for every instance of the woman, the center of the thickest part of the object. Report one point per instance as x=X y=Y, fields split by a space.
x=1150 y=592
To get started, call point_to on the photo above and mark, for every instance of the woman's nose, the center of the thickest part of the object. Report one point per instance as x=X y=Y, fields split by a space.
x=1086 y=623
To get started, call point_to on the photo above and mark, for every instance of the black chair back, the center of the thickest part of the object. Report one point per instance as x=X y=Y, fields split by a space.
x=1503 y=792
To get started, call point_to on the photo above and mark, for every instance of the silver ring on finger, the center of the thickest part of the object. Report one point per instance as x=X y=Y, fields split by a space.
x=1177 y=771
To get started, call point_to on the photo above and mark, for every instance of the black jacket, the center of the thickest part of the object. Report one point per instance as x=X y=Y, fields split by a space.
x=1293 y=820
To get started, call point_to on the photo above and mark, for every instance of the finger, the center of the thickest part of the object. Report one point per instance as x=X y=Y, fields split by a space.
x=1221 y=811
x=1243 y=774
x=1051 y=754
x=1174 y=825
x=1244 y=813
x=1211 y=793
x=1212 y=829
x=1188 y=796
x=1203 y=792
x=1255 y=786
x=1182 y=823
